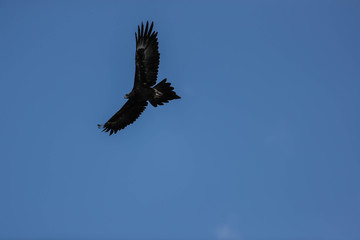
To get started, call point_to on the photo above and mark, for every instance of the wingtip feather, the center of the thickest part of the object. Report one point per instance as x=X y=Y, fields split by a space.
x=146 y=29
x=151 y=27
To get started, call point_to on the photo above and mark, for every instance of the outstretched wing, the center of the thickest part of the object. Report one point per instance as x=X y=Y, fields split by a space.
x=125 y=116
x=147 y=56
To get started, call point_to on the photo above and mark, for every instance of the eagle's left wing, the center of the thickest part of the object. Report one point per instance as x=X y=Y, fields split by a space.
x=125 y=116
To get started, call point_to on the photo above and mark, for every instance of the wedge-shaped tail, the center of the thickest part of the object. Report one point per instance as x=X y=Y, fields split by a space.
x=163 y=93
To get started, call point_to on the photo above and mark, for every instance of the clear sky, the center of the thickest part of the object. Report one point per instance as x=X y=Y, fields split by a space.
x=264 y=144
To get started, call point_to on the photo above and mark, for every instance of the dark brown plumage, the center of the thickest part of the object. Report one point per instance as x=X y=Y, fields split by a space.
x=147 y=60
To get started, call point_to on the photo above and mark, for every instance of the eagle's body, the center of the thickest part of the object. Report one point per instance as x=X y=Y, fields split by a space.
x=147 y=64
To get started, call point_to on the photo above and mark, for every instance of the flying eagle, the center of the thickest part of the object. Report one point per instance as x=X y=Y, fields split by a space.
x=147 y=59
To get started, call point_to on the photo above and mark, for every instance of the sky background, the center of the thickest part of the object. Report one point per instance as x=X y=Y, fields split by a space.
x=264 y=144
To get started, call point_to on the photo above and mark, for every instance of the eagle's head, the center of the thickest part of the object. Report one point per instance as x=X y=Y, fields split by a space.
x=129 y=95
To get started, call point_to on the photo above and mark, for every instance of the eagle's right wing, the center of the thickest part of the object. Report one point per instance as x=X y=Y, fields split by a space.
x=147 y=56
x=125 y=116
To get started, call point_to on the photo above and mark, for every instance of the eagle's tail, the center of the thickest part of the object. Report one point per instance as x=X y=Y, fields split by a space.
x=163 y=93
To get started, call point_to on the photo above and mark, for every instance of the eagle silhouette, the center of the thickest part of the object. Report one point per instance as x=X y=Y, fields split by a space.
x=147 y=60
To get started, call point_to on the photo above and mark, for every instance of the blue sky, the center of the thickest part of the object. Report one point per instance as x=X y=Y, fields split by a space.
x=264 y=143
